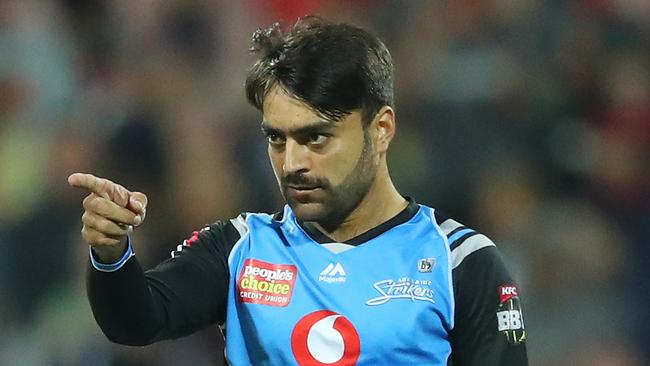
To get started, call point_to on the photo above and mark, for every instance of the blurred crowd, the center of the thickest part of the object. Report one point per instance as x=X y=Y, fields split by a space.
x=526 y=119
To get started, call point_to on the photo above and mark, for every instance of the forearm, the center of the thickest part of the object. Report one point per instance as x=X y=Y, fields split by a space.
x=123 y=305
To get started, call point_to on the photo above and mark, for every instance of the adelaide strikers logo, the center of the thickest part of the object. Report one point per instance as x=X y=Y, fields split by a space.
x=325 y=338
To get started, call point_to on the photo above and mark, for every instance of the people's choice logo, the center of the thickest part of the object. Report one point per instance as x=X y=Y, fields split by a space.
x=325 y=338
x=266 y=283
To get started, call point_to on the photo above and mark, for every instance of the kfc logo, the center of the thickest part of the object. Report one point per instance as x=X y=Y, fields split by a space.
x=507 y=292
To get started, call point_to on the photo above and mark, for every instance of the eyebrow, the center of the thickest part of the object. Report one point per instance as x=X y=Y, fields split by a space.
x=316 y=126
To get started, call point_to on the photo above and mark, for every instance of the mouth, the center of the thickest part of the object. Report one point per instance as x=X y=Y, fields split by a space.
x=303 y=194
x=302 y=188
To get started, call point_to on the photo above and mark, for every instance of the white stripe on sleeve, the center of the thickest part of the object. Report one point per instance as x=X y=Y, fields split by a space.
x=469 y=246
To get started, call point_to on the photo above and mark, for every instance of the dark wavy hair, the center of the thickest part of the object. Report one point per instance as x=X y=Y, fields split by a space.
x=334 y=68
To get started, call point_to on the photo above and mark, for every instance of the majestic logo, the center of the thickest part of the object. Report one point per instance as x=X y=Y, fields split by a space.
x=510 y=321
x=332 y=273
x=425 y=265
x=404 y=288
x=325 y=338
x=266 y=283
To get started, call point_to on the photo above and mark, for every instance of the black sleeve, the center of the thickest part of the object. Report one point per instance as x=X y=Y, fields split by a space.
x=178 y=297
x=489 y=327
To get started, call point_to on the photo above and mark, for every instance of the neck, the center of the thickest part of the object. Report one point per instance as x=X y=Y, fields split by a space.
x=381 y=203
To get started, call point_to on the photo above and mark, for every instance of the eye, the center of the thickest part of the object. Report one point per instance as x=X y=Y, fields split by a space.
x=275 y=139
x=317 y=138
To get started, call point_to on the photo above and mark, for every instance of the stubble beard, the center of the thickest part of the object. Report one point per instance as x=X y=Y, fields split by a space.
x=338 y=201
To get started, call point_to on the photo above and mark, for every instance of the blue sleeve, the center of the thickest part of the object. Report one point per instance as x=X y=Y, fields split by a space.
x=112 y=267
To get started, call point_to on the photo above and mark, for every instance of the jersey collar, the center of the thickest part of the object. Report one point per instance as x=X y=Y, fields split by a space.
x=403 y=216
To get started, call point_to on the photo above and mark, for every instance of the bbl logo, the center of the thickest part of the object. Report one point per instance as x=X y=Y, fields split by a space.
x=509 y=318
x=425 y=265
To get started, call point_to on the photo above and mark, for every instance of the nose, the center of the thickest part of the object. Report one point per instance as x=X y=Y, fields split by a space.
x=296 y=157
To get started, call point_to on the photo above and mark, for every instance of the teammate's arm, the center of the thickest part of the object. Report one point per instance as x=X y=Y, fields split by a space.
x=178 y=297
x=489 y=326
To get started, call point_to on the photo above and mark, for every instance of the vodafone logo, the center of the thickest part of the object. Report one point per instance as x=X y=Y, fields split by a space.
x=325 y=338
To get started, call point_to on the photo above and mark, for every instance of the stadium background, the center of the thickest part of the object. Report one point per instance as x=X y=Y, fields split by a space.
x=529 y=120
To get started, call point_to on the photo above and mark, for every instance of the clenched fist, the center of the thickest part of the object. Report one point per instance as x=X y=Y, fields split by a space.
x=110 y=213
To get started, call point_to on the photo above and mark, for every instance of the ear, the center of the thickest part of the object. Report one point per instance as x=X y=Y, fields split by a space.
x=384 y=128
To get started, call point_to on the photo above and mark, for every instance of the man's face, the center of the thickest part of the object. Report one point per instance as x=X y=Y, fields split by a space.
x=324 y=169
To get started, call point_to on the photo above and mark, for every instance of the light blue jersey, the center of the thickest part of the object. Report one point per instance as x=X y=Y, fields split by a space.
x=419 y=289
x=294 y=301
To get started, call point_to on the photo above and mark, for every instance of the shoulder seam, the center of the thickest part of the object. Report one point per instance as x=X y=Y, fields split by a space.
x=437 y=227
x=241 y=226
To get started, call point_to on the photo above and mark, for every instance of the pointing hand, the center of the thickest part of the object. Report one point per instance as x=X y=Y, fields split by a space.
x=110 y=213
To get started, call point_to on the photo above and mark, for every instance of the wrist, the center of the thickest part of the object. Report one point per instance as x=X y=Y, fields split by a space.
x=106 y=261
x=110 y=254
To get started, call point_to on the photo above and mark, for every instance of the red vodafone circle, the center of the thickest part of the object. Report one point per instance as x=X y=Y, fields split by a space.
x=317 y=322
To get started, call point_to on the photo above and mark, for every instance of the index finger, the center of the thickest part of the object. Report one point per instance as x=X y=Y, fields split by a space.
x=89 y=182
